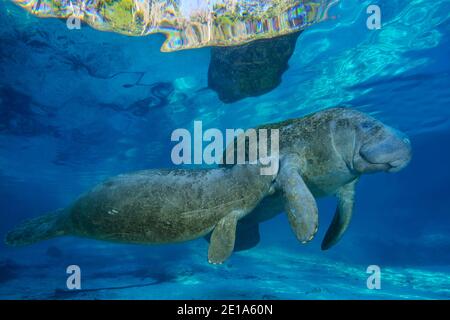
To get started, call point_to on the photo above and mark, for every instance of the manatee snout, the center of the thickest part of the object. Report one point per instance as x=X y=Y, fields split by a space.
x=401 y=155
x=388 y=151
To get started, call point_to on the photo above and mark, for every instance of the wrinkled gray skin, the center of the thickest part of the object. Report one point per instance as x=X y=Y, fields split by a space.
x=333 y=148
x=321 y=154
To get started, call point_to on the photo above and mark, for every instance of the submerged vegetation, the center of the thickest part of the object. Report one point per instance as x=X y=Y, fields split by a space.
x=120 y=15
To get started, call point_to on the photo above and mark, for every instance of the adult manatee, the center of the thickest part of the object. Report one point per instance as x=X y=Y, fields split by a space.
x=321 y=154
x=333 y=149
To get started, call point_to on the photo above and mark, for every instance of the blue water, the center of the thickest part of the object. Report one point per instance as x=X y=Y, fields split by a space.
x=78 y=106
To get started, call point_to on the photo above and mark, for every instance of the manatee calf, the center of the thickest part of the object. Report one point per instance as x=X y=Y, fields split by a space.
x=321 y=154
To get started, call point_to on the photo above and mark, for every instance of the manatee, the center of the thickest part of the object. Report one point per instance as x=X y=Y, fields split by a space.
x=337 y=146
x=156 y=207
x=321 y=154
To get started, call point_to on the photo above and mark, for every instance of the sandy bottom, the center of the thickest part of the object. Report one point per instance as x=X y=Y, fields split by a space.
x=111 y=271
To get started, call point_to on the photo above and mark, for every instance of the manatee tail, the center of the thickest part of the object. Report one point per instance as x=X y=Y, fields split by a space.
x=38 y=229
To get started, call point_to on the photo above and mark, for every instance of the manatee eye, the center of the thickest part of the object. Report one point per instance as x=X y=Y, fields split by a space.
x=366 y=125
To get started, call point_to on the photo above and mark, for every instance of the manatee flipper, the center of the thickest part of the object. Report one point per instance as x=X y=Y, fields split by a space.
x=221 y=244
x=247 y=236
x=300 y=204
x=343 y=215
x=37 y=229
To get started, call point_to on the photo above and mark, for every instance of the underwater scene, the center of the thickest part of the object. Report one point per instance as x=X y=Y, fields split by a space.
x=115 y=175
